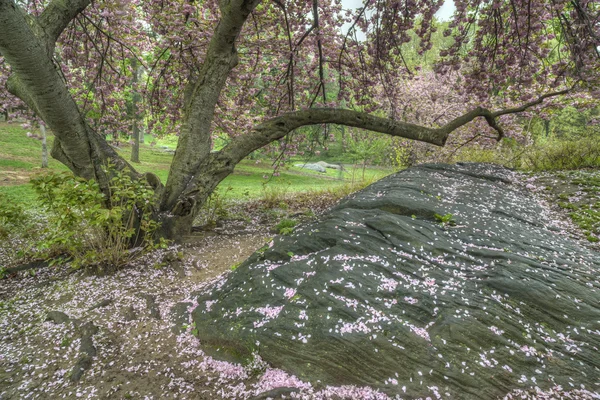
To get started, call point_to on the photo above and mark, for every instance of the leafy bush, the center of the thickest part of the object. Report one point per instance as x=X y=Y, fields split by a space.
x=545 y=155
x=555 y=154
x=12 y=216
x=214 y=209
x=508 y=153
x=286 y=226
x=96 y=232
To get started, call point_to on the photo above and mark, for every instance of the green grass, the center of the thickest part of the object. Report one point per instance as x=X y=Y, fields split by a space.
x=20 y=155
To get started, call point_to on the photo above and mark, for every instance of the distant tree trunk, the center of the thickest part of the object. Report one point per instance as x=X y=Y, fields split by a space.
x=547 y=127
x=135 y=150
x=44 y=146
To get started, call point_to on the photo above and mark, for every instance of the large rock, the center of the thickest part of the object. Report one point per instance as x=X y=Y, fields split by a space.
x=312 y=167
x=327 y=165
x=383 y=293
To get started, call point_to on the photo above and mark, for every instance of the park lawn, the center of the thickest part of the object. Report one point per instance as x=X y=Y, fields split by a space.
x=20 y=159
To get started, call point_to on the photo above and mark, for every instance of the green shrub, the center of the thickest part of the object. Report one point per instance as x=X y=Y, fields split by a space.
x=274 y=195
x=96 y=232
x=286 y=226
x=12 y=217
x=508 y=153
x=555 y=154
x=447 y=219
x=214 y=209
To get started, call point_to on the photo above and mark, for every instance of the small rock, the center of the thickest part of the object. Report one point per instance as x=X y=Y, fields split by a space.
x=101 y=304
x=83 y=364
x=87 y=346
x=152 y=306
x=277 y=393
x=88 y=329
x=130 y=314
x=180 y=316
x=58 y=317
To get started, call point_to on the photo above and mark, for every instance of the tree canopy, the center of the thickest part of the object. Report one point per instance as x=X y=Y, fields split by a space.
x=254 y=71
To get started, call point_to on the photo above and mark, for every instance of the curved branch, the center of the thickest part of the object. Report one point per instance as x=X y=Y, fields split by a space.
x=276 y=128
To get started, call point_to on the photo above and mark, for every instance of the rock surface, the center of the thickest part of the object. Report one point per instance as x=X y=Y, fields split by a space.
x=312 y=167
x=383 y=293
x=327 y=165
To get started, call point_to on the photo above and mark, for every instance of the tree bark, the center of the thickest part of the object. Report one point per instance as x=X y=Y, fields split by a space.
x=44 y=146
x=192 y=158
x=135 y=148
x=135 y=134
x=37 y=80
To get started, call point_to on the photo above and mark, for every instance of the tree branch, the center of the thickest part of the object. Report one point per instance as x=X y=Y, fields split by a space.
x=276 y=128
x=57 y=16
x=524 y=107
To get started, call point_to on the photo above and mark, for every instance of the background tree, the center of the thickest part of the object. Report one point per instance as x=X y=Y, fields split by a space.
x=257 y=71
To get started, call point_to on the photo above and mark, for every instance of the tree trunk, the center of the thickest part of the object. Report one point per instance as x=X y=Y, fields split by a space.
x=191 y=178
x=135 y=134
x=135 y=149
x=44 y=146
x=37 y=80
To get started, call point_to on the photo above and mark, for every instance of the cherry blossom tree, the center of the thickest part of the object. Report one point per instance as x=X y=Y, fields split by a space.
x=256 y=71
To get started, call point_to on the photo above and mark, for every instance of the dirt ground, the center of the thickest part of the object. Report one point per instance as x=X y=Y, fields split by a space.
x=130 y=331
x=137 y=354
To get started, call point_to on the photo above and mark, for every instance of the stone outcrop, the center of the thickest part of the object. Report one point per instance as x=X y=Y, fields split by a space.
x=439 y=279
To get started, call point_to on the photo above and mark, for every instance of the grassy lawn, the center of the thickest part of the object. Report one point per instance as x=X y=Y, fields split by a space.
x=20 y=159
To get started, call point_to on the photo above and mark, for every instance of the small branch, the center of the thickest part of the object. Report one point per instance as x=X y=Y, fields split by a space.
x=320 y=47
x=524 y=107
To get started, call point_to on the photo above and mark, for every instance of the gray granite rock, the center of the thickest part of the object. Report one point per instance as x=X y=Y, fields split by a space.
x=385 y=292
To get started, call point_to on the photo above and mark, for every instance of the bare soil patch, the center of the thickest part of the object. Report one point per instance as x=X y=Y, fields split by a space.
x=137 y=355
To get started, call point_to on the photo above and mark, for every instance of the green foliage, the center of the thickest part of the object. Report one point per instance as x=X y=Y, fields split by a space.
x=96 y=232
x=12 y=216
x=367 y=146
x=215 y=208
x=508 y=153
x=286 y=226
x=401 y=155
x=274 y=195
x=446 y=219
x=555 y=154
x=548 y=154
